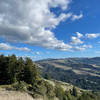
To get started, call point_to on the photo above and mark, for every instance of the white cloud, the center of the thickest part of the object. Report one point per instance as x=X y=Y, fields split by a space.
x=77 y=48
x=76 y=17
x=82 y=48
x=92 y=35
x=37 y=53
x=21 y=49
x=4 y=46
x=76 y=40
x=32 y=57
x=32 y=21
x=79 y=35
x=87 y=46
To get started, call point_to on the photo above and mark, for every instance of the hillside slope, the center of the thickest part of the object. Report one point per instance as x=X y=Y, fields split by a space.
x=6 y=94
x=82 y=72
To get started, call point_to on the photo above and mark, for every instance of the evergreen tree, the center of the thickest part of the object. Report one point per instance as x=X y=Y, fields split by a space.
x=21 y=66
x=4 y=70
x=74 y=92
x=47 y=76
x=31 y=72
x=12 y=68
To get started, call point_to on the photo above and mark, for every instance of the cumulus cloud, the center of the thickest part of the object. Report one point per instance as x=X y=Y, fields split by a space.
x=78 y=44
x=31 y=22
x=21 y=49
x=77 y=48
x=79 y=35
x=92 y=35
x=37 y=53
x=87 y=46
x=76 y=17
x=4 y=46
x=76 y=40
x=82 y=48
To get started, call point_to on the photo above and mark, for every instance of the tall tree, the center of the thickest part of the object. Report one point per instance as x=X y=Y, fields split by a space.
x=12 y=68
x=74 y=92
x=3 y=69
x=31 y=73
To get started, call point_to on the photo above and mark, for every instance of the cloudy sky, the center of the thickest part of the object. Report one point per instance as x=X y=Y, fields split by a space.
x=43 y=29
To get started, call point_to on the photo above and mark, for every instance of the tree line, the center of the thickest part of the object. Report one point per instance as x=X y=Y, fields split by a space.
x=13 y=69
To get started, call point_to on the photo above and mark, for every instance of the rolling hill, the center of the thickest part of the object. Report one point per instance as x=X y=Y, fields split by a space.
x=82 y=72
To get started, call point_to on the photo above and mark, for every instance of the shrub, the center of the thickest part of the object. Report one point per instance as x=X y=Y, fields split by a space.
x=20 y=86
x=59 y=92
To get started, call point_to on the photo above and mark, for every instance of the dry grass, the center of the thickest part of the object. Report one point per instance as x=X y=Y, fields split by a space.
x=13 y=95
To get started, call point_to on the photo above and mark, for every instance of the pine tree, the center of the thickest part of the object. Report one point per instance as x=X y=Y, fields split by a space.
x=74 y=92
x=47 y=76
x=12 y=68
x=31 y=72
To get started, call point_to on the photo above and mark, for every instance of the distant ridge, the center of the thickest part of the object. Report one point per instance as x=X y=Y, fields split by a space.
x=74 y=70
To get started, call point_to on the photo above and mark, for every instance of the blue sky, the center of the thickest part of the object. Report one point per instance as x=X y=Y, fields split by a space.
x=50 y=28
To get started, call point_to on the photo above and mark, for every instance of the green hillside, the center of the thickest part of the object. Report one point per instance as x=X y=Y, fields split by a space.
x=82 y=72
x=18 y=74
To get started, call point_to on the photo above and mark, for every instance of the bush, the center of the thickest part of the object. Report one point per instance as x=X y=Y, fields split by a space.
x=50 y=90
x=44 y=89
x=20 y=86
x=59 y=92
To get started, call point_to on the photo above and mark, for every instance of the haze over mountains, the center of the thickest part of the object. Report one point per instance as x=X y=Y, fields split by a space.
x=82 y=72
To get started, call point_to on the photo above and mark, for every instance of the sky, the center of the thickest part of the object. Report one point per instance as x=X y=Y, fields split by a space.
x=43 y=29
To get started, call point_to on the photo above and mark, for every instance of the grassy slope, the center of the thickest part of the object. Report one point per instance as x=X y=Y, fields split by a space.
x=8 y=93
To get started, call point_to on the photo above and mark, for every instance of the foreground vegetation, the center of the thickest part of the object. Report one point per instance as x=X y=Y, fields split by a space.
x=23 y=75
